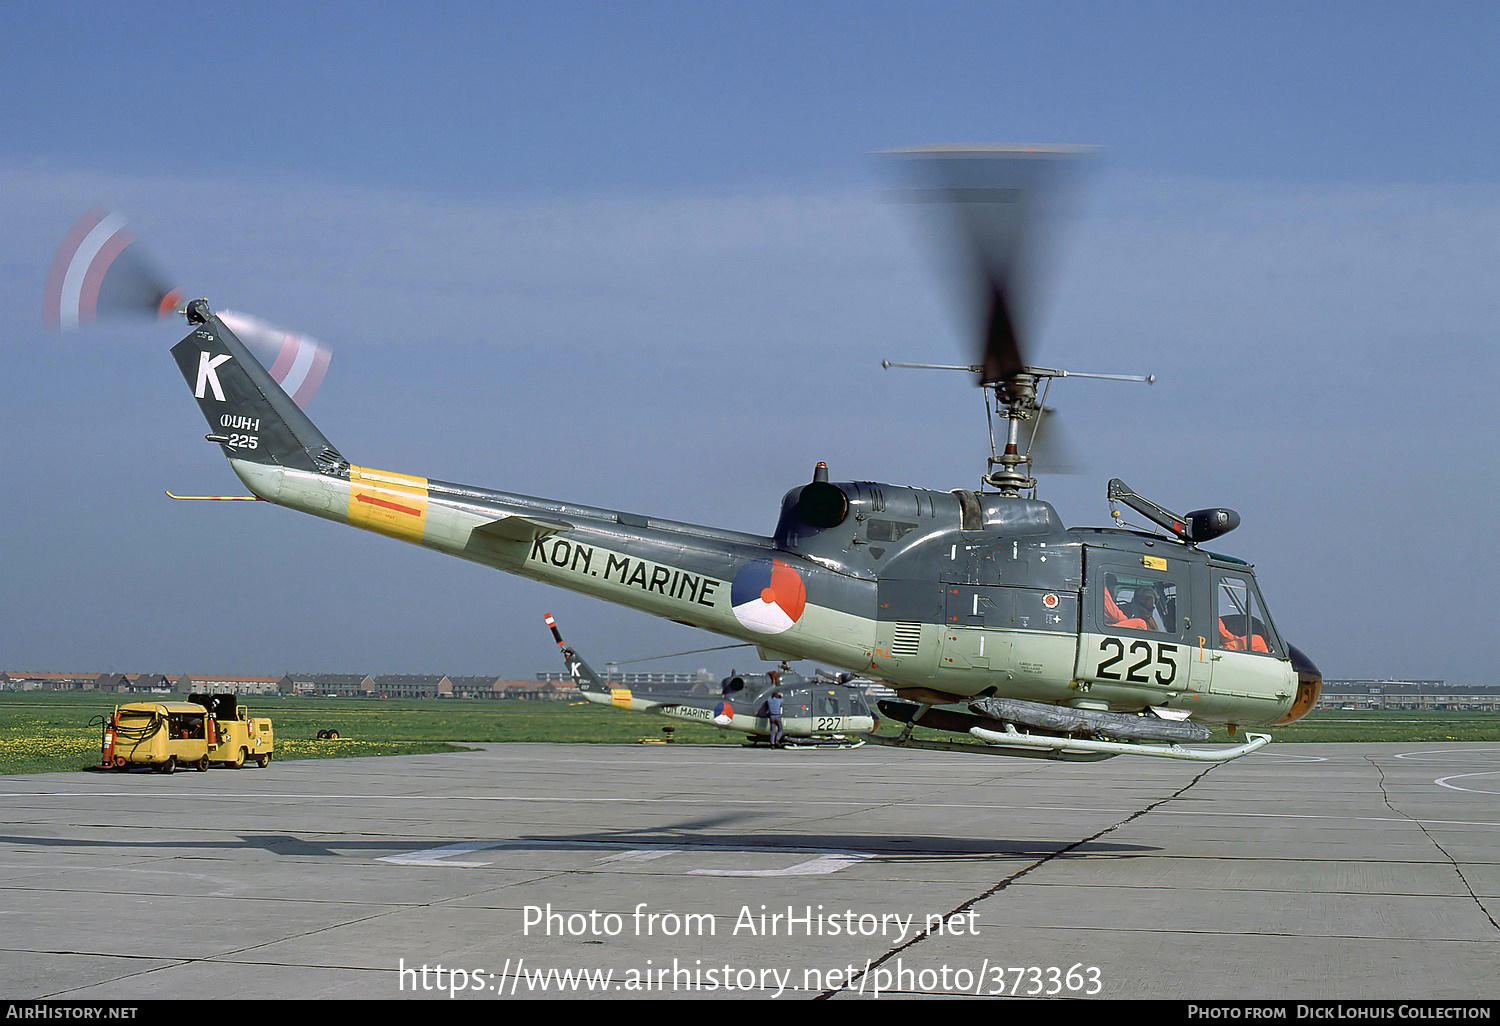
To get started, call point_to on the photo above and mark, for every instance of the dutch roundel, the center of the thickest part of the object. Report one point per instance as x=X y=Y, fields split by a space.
x=768 y=596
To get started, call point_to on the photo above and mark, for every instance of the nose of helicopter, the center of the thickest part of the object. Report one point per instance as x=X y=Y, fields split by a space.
x=1309 y=686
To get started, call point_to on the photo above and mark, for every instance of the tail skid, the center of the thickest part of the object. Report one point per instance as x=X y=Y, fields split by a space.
x=214 y=498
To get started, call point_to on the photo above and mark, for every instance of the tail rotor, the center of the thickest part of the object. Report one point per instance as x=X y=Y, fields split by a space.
x=98 y=270
x=102 y=273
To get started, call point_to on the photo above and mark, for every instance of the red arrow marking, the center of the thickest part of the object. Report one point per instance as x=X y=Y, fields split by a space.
x=387 y=504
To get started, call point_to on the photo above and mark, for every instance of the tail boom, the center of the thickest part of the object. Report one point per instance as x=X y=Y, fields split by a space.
x=684 y=572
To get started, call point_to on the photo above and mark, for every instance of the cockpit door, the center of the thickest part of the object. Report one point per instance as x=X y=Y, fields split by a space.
x=830 y=708
x=1138 y=625
x=1249 y=659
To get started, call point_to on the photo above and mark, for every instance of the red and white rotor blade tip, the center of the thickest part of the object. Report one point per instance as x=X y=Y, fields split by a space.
x=297 y=362
x=98 y=270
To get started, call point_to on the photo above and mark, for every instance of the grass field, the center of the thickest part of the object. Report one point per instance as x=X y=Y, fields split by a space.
x=43 y=732
x=48 y=731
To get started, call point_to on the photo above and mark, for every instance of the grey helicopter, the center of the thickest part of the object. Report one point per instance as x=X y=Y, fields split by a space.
x=990 y=619
x=817 y=712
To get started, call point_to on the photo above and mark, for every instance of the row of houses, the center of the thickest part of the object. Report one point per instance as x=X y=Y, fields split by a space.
x=321 y=685
x=390 y=685
x=1410 y=695
x=1337 y=694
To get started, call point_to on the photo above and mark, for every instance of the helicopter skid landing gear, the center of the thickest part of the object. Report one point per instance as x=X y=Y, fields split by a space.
x=836 y=741
x=829 y=741
x=1001 y=737
x=1056 y=755
x=1106 y=749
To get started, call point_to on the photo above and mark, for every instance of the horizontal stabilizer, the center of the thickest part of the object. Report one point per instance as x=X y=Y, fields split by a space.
x=517 y=528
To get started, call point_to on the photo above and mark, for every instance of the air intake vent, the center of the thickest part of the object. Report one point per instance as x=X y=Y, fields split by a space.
x=329 y=461
x=907 y=640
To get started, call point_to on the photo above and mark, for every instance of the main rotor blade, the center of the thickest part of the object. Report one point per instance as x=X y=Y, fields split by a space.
x=991 y=204
x=1000 y=352
x=673 y=655
x=1052 y=451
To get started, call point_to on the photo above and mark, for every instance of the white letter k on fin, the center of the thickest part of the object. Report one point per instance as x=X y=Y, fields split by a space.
x=206 y=375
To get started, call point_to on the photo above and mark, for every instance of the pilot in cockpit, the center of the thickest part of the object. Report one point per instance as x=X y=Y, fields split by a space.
x=1142 y=606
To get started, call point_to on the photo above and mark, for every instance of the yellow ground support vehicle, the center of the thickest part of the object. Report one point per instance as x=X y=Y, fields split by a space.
x=164 y=735
x=240 y=737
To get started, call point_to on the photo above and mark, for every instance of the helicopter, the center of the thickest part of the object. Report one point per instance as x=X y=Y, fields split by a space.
x=989 y=618
x=818 y=712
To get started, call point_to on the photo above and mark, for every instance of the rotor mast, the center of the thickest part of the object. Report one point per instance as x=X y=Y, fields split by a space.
x=1015 y=400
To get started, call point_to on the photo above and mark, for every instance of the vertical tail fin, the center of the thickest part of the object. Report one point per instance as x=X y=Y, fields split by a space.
x=247 y=412
x=583 y=675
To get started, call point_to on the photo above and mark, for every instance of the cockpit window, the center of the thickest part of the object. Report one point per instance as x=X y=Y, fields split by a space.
x=1241 y=618
x=1140 y=603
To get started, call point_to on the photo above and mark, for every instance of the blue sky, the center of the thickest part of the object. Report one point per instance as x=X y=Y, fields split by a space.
x=640 y=255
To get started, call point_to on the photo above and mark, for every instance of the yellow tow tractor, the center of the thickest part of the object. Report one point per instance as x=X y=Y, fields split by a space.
x=203 y=730
x=240 y=736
